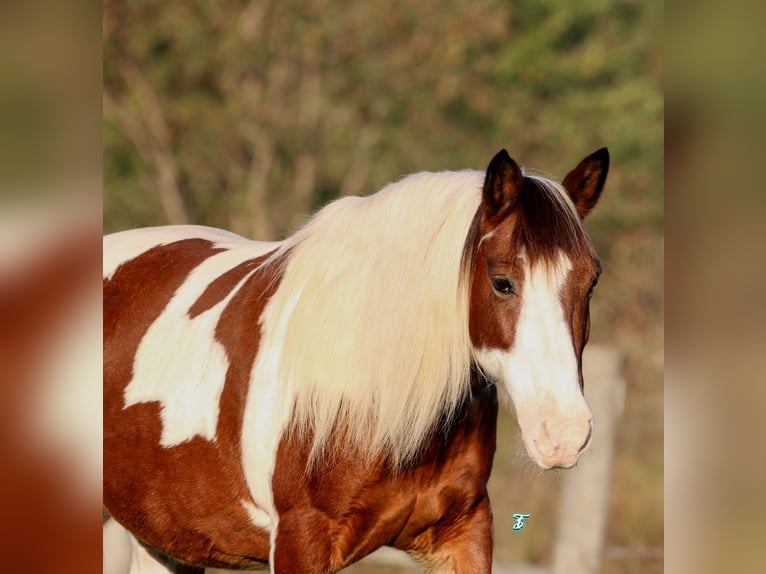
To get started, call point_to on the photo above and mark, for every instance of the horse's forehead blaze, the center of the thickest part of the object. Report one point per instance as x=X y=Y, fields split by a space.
x=134 y=297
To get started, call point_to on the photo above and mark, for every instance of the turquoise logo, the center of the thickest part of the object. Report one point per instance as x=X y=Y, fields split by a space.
x=520 y=518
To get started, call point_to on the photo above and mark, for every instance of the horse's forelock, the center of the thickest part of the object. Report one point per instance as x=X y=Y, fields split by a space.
x=548 y=223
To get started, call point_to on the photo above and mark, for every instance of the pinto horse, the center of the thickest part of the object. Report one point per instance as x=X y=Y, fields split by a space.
x=296 y=405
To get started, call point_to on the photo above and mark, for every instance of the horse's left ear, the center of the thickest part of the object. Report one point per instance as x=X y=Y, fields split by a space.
x=585 y=182
x=502 y=186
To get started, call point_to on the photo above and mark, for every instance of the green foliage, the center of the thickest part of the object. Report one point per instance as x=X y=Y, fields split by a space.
x=257 y=108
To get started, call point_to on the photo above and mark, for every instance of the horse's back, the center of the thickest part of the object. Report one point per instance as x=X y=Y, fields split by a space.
x=125 y=245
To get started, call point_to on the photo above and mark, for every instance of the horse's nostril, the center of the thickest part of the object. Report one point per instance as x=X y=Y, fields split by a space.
x=587 y=438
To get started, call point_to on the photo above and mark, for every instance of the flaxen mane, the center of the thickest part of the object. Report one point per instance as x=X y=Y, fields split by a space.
x=386 y=276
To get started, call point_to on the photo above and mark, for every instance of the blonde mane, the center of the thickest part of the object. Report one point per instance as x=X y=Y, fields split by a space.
x=372 y=316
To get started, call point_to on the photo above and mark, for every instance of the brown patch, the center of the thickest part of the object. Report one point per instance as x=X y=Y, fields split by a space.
x=222 y=286
x=239 y=332
x=346 y=508
x=575 y=301
x=184 y=500
x=492 y=317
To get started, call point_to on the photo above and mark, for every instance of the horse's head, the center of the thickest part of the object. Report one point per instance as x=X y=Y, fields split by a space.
x=534 y=273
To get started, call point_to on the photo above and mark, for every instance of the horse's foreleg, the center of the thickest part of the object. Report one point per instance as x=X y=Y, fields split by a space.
x=142 y=561
x=463 y=547
x=117 y=549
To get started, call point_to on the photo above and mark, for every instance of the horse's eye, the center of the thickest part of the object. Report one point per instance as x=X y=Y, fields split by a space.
x=503 y=285
x=592 y=287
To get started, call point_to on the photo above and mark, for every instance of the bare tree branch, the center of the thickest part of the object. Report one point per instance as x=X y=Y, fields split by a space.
x=148 y=131
x=161 y=154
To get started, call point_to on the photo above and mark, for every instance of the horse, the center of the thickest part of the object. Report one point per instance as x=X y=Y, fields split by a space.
x=296 y=405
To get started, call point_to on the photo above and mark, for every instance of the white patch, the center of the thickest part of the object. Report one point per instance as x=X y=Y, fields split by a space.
x=179 y=363
x=257 y=516
x=540 y=371
x=266 y=413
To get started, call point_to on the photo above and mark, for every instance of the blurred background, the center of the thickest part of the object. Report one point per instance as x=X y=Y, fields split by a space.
x=249 y=115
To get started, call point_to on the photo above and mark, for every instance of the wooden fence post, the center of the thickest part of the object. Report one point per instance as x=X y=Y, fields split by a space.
x=584 y=507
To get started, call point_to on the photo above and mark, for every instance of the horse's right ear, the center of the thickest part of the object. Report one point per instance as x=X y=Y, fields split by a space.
x=502 y=186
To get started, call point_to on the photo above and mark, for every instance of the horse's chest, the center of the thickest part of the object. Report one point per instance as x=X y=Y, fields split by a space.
x=354 y=507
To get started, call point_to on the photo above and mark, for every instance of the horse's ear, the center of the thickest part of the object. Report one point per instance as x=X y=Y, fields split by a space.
x=585 y=182
x=502 y=186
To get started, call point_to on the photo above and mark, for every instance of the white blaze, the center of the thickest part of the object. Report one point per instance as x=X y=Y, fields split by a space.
x=540 y=371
